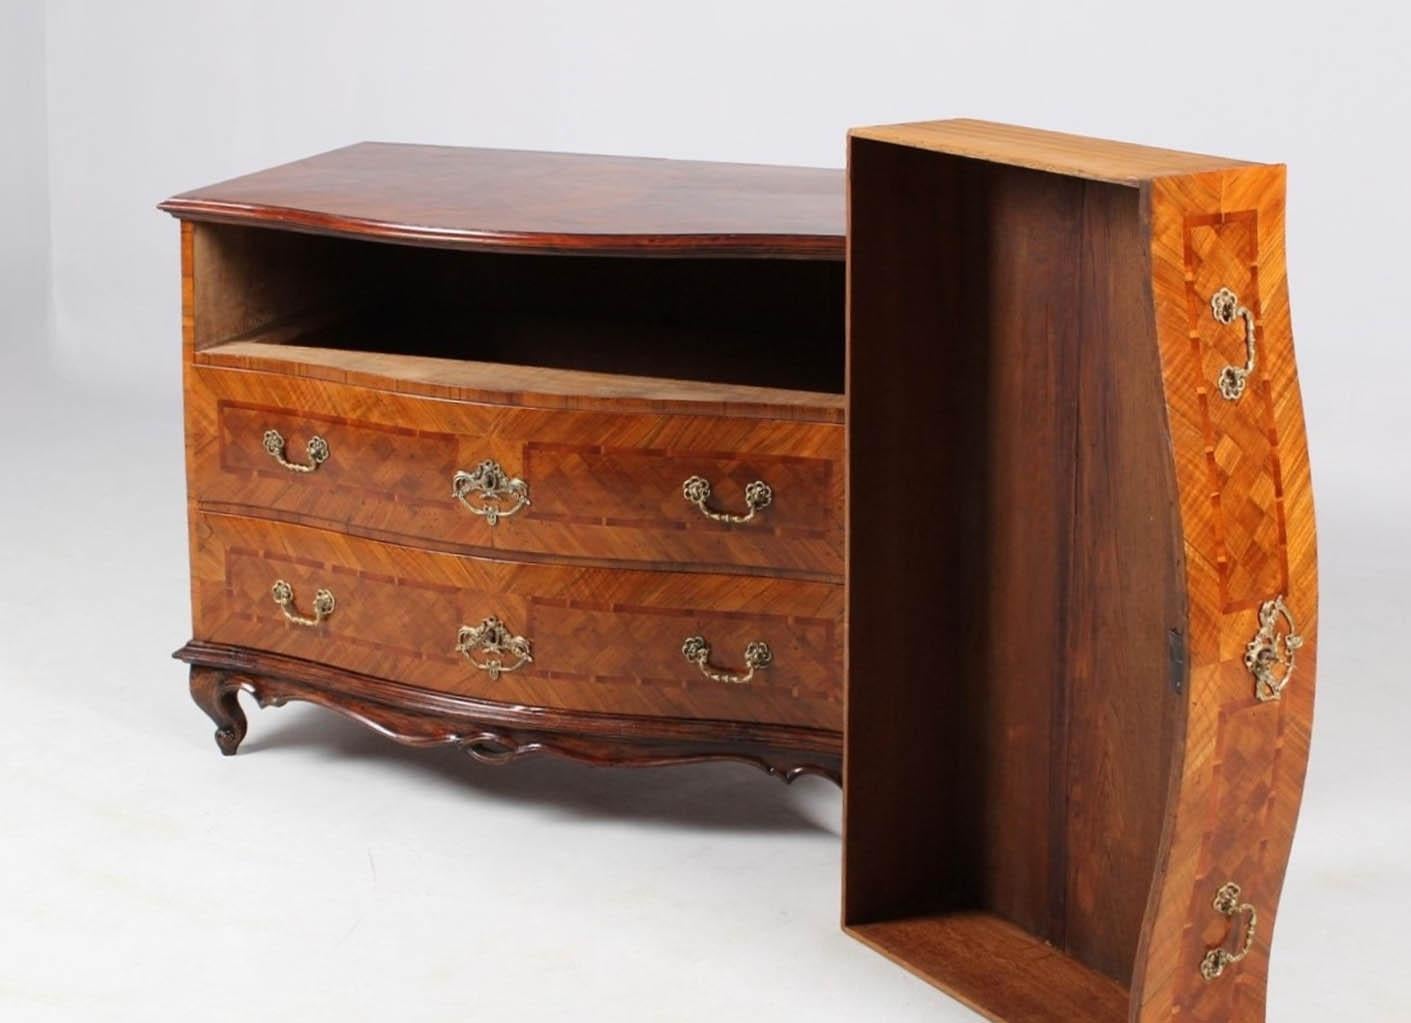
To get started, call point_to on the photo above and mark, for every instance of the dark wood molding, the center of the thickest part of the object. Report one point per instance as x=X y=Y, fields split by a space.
x=495 y=733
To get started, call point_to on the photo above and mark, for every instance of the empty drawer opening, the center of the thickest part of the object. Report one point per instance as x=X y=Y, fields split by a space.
x=763 y=322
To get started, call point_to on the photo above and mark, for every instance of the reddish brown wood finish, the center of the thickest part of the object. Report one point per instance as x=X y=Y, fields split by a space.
x=490 y=199
x=604 y=640
x=1068 y=758
x=998 y=969
x=605 y=488
x=603 y=382
x=492 y=732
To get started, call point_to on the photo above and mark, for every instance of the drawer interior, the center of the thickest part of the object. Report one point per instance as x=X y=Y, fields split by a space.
x=764 y=322
x=1015 y=754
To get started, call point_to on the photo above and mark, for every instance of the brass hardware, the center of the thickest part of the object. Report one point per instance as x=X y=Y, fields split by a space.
x=1225 y=305
x=495 y=641
x=1228 y=904
x=317 y=449
x=283 y=595
x=757 y=495
x=492 y=484
x=697 y=651
x=1268 y=650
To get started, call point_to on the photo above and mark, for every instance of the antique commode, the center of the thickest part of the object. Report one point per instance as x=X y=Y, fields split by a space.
x=538 y=453
x=522 y=451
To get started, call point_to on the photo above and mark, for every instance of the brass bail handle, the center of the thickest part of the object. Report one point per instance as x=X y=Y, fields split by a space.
x=1225 y=306
x=316 y=450
x=1228 y=904
x=283 y=595
x=757 y=656
x=758 y=496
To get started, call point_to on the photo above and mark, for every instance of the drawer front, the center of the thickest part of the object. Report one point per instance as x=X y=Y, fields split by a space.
x=600 y=639
x=600 y=487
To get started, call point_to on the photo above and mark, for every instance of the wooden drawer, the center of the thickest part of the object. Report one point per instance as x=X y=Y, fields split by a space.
x=602 y=639
x=604 y=487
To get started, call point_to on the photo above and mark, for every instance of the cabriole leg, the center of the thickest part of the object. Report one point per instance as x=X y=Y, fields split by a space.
x=216 y=692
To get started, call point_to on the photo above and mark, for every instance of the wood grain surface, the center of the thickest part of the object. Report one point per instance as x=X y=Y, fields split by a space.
x=998 y=969
x=605 y=488
x=488 y=199
x=1053 y=462
x=1054 y=152
x=1246 y=504
x=492 y=732
x=1070 y=739
x=603 y=640
x=373 y=346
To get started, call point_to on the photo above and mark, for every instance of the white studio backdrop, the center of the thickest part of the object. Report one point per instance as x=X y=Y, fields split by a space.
x=106 y=108
x=148 y=97
x=24 y=180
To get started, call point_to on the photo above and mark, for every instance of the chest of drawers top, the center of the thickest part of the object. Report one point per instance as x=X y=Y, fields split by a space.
x=501 y=199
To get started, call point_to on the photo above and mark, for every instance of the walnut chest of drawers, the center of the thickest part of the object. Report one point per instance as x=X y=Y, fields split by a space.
x=523 y=452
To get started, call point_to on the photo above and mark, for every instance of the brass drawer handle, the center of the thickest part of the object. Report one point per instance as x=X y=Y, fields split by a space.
x=1227 y=903
x=1268 y=651
x=283 y=595
x=1225 y=305
x=697 y=651
x=317 y=450
x=490 y=483
x=758 y=495
x=492 y=640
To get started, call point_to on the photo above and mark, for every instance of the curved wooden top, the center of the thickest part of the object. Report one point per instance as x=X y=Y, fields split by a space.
x=504 y=199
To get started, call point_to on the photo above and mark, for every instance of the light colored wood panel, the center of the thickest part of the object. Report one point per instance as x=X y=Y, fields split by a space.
x=1121 y=163
x=998 y=969
x=524 y=386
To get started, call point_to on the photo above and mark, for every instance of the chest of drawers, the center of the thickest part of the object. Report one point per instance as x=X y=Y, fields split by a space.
x=534 y=453
x=528 y=453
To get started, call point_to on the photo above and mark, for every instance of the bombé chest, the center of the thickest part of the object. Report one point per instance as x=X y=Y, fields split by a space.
x=528 y=452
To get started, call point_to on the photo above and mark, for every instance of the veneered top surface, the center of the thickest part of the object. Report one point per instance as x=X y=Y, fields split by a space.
x=489 y=199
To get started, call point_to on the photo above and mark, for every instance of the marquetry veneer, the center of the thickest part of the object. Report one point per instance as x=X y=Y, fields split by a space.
x=1081 y=643
x=479 y=442
x=539 y=453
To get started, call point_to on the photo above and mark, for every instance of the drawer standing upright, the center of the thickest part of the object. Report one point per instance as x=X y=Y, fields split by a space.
x=1071 y=795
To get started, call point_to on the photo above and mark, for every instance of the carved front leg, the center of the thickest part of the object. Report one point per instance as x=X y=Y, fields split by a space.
x=216 y=692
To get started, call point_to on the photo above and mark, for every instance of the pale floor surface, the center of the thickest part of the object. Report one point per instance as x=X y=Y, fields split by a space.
x=326 y=873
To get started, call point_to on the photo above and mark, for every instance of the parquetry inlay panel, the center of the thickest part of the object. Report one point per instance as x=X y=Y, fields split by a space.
x=1221 y=250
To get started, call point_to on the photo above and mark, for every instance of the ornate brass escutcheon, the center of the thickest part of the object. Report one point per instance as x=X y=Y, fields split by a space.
x=283 y=595
x=1228 y=904
x=758 y=495
x=490 y=483
x=1225 y=305
x=1269 y=655
x=494 y=642
x=757 y=655
x=317 y=450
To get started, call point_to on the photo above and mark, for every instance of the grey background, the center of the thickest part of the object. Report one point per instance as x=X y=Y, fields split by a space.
x=142 y=877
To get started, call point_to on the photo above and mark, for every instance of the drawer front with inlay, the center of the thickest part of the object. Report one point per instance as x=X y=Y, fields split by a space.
x=694 y=645
x=702 y=492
